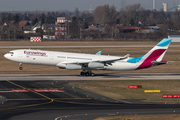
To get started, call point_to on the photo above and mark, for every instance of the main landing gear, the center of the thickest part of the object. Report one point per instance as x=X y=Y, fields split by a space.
x=87 y=73
x=20 y=66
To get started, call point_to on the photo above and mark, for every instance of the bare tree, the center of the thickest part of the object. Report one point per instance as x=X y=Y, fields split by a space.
x=150 y=19
x=105 y=14
x=131 y=12
x=110 y=14
x=176 y=19
x=98 y=15
x=76 y=12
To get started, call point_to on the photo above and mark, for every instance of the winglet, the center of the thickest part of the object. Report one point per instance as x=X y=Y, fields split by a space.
x=98 y=53
x=125 y=57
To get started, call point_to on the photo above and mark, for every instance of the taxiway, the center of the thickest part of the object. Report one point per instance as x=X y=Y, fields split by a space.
x=44 y=97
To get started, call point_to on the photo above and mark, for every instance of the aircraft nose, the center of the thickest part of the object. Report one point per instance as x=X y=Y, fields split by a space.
x=6 y=55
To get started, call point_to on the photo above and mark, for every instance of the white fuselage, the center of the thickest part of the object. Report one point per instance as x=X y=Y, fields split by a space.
x=53 y=58
x=88 y=62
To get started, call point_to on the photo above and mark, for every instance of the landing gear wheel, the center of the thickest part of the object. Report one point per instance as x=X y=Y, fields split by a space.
x=92 y=74
x=82 y=73
x=87 y=74
x=20 y=68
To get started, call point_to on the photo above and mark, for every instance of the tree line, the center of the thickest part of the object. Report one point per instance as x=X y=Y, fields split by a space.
x=103 y=16
x=133 y=14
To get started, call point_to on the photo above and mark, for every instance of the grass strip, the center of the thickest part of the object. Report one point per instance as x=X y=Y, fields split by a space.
x=118 y=89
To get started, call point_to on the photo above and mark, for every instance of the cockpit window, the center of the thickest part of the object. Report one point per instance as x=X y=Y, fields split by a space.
x=11 y=53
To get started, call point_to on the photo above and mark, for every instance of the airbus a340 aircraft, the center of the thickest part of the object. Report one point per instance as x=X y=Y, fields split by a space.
x=88 y=62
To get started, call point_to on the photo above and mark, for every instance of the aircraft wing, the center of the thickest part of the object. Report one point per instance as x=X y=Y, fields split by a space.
x=75 y=62
x=87 y=61
x=112 y=60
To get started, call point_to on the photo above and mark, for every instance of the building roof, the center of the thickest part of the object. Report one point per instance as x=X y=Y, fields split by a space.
x=23 y=23
x=153 y=27
x=37 y=25
x=130 y=28
x=95 y=28
x=174 y=35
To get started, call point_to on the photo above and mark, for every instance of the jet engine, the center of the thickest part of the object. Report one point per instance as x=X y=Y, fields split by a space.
x=61 y=65
x=69 y=66
x=95 y=65
x=73 y=67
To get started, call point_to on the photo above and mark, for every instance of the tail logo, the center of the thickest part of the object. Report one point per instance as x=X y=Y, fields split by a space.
x=153 y=57
x=155 y=54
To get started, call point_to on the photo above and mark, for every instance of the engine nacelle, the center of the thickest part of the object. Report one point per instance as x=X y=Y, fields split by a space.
x=95 y=65
x=61 y=65
x=73 y=67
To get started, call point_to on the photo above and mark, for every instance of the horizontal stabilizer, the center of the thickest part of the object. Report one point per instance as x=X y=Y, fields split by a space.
x=154 y=63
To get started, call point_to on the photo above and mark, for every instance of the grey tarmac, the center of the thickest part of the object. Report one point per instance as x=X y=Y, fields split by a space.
x=129 y=76
x=74 y=103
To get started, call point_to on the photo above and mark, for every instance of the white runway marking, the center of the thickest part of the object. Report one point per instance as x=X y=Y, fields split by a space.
x=138 y=76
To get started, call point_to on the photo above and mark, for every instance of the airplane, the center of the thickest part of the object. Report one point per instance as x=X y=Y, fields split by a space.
x=89 y=62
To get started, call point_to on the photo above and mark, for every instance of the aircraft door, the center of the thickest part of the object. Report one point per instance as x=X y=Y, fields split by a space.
x=20 y=54
x=51 y=56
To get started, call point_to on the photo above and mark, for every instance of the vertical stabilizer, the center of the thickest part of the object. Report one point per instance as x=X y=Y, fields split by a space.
x=155 y=54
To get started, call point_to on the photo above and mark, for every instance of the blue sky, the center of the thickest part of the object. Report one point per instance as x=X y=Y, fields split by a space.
x=70 y=5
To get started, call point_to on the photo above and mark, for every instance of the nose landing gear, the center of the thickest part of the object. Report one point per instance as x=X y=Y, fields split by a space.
x=20 y=66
